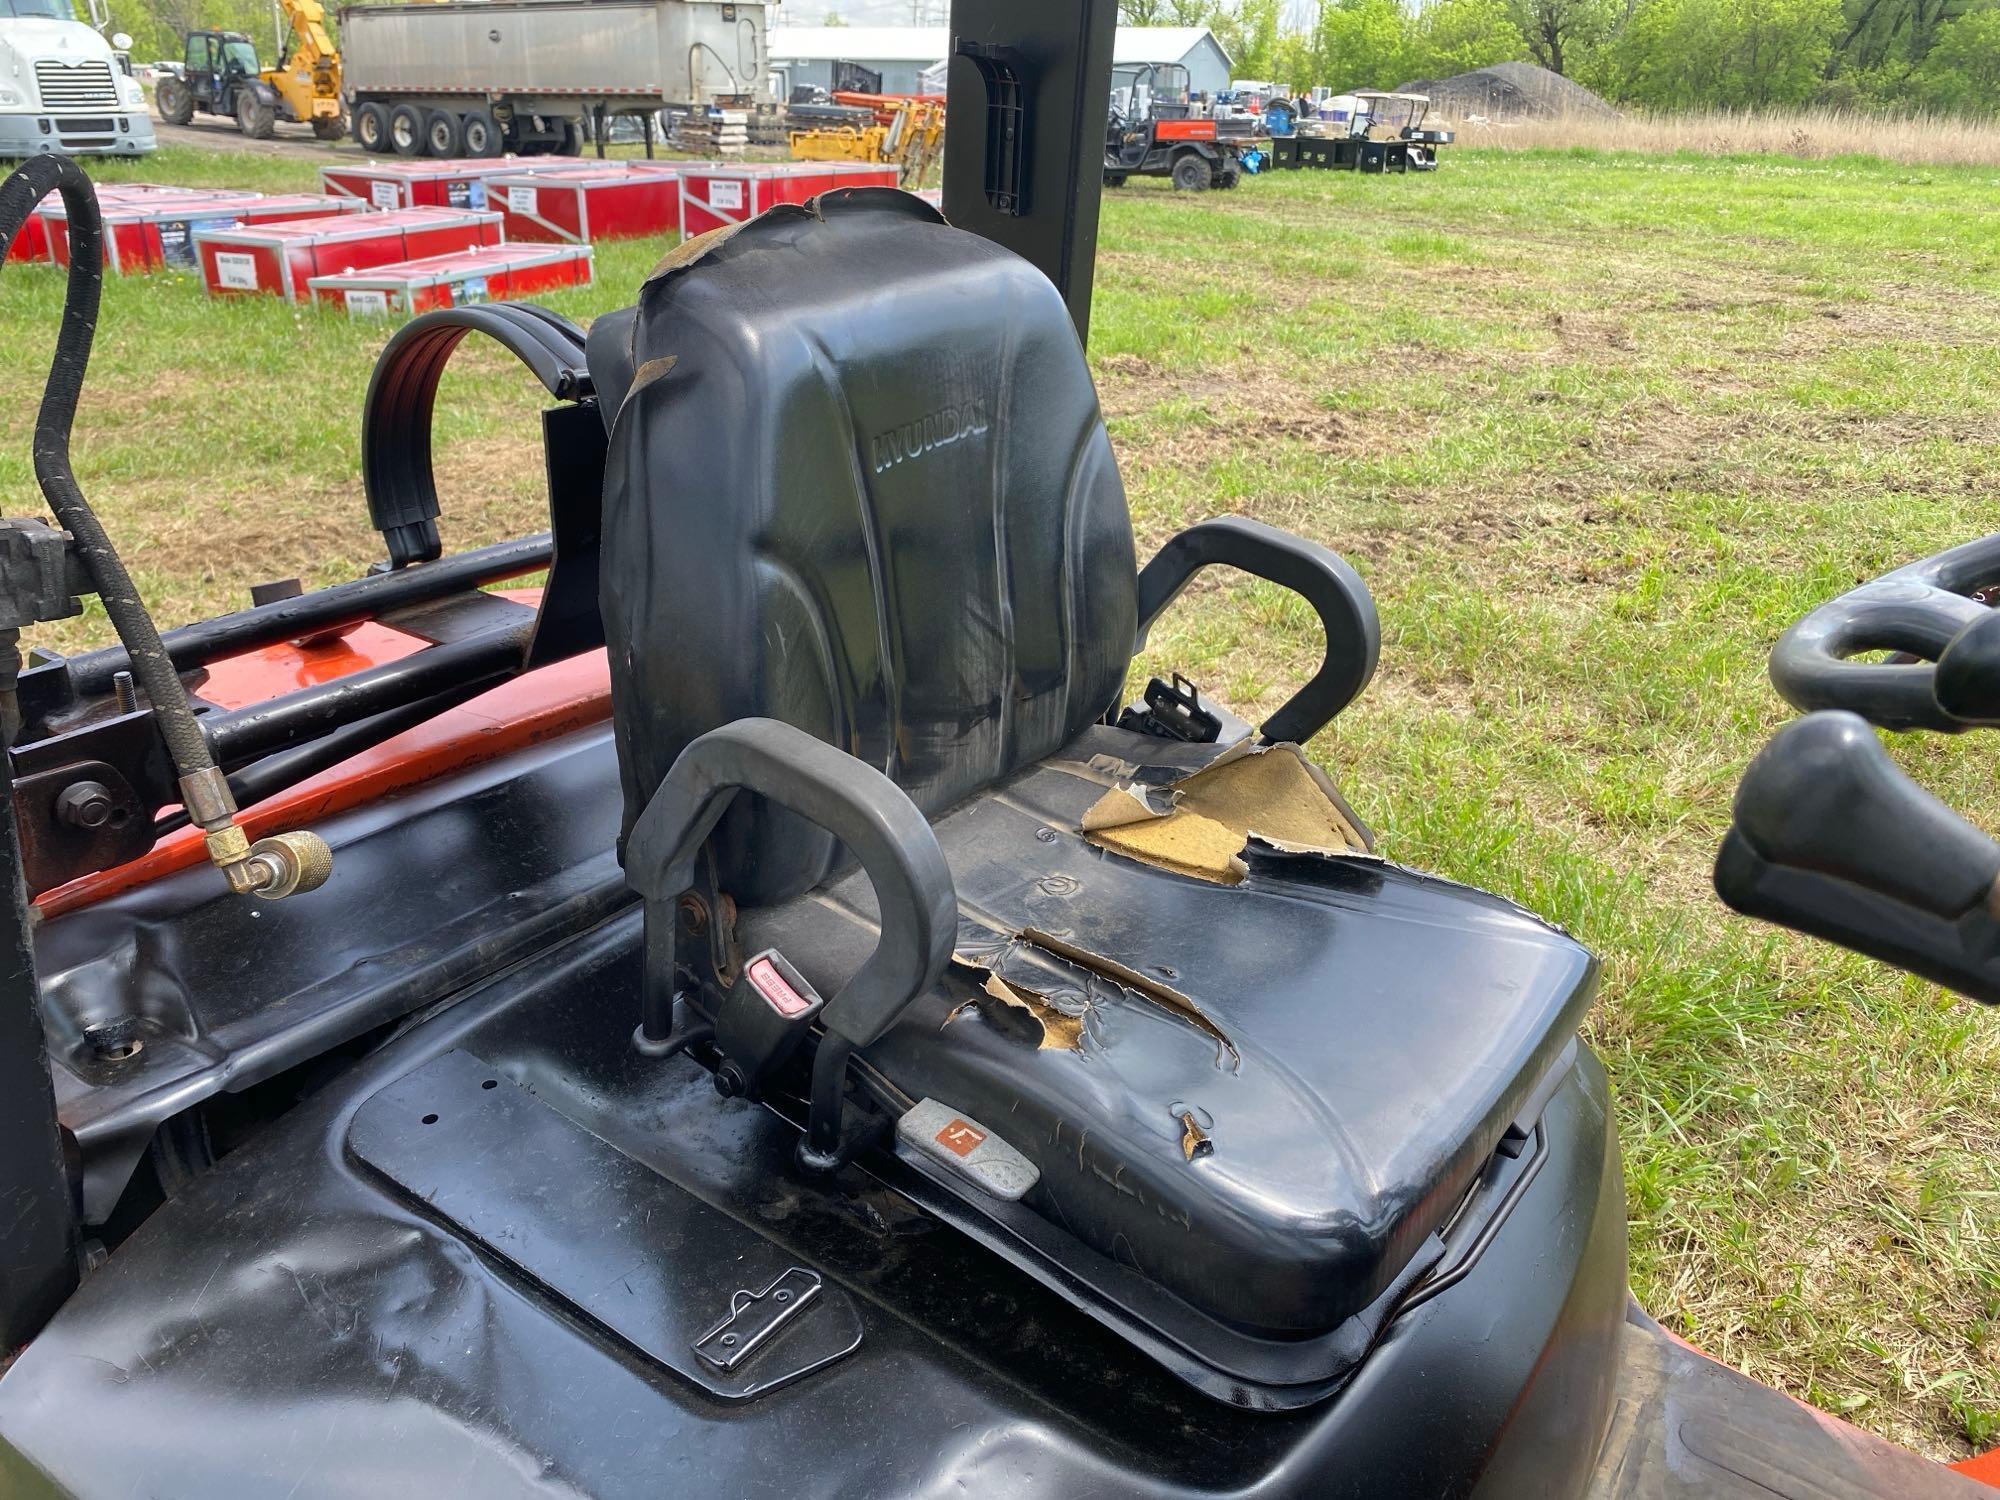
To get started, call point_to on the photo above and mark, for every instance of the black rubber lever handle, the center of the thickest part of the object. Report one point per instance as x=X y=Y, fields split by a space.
x=1832 y=839
x=1918 y=610
x=872 y=816
x=1322 y=578
x=1967 y=683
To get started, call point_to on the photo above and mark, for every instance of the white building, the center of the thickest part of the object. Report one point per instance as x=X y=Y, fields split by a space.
x=805 y=55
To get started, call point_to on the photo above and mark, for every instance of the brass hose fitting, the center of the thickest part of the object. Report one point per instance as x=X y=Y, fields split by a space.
x=285 y=864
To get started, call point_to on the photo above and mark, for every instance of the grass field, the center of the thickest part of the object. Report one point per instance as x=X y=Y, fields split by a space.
x=1595 y=428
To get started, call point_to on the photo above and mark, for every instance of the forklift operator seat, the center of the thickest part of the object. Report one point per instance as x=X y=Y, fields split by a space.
x=1181 y=1034
x=901 y=530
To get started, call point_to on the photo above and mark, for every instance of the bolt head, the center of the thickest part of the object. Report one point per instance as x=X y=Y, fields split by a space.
x=85 y=804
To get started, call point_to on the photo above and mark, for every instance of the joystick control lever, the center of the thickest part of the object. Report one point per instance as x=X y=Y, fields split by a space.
x=1832 y=839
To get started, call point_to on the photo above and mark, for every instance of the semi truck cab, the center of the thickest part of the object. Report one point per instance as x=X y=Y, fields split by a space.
x=61 y=89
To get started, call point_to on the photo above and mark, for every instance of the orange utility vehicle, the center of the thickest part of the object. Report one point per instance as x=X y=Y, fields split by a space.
x=1153 y=131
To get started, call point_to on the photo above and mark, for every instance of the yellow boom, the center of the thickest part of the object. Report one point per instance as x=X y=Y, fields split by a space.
x=309 y=79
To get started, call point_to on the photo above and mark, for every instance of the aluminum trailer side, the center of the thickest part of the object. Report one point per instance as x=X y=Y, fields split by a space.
x=475 y=77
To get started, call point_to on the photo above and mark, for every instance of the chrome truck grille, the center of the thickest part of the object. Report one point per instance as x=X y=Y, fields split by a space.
x=88 y=85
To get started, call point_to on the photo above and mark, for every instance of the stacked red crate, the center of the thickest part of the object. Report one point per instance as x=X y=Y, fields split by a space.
x=716 y=197
x=283 y=258
x=498 y=273
x=452 y=183
x=32 y=243
x=152 y=228
x=579 y=202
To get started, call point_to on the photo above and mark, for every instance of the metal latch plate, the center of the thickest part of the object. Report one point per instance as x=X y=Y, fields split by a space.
x=594 y=1230
x=755 y=1318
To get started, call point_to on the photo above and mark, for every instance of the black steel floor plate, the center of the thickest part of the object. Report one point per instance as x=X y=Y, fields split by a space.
x=625 y=1248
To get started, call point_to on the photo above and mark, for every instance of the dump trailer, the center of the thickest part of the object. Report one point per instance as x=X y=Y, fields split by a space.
x=479 y=77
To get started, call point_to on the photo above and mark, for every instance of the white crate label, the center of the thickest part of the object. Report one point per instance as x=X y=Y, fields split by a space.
x=384 y=194
x=521 y=199
x=235 y=269
x=472 y=289
x=362 y=303
x=725 y=194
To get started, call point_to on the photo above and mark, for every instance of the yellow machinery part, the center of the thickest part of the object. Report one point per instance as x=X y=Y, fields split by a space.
x=308 y=80
x=912 y=141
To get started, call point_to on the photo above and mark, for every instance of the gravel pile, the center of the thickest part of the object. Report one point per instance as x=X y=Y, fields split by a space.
x=1513 y=90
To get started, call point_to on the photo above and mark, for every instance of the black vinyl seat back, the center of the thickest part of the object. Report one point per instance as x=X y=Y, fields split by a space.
x=858 y=482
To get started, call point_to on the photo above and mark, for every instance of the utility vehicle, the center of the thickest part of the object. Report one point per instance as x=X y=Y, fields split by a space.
x=1152 y=130
x=758 y=1015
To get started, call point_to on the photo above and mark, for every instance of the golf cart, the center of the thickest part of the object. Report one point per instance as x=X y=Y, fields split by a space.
x=1402 y=117
x=760 y=1007
x=1365 y=131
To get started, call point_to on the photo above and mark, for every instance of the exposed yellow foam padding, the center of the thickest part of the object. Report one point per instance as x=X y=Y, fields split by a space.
x=1274 y=793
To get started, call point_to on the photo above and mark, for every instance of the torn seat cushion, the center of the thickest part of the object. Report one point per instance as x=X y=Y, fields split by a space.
x=858 y=481
x=1262 y=1092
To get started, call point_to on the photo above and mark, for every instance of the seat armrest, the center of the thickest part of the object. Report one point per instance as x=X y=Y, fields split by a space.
x=870 y=815
x=1320 y=577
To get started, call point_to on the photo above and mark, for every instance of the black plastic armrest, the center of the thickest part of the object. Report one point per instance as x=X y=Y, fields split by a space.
x=1320 y=577
x=1831 y=838
x=872 y=816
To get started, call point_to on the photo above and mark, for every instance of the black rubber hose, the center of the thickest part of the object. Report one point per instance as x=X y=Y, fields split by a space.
x=19 y=194
x=266 y=778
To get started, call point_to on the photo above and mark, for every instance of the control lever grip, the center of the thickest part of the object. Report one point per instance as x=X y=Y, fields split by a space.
x=1832 y=839
x=1967 y=681
x=1825 y=797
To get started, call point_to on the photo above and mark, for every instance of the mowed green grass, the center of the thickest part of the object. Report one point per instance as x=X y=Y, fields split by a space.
x=1595 y=429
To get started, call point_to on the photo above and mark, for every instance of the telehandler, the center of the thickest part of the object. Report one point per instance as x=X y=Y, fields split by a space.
x=759 y=1014
x=222 y=76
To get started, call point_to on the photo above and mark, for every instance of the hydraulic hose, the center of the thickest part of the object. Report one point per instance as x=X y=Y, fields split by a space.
x=276 y=866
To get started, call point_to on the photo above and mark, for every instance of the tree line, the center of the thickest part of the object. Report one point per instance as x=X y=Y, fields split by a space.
x=1939 y=55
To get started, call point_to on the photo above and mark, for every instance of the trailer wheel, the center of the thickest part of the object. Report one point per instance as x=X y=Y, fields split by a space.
x=175 y=99
x=1192 y=173
x=406 y=130
x=371 y=128
x=482 y=133
x=569 y=139
x=443 y=135
x=254 y=115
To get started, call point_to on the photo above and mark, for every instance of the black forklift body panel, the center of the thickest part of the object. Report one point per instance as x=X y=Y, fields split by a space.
x=1326 y=1197
x=329 y=1311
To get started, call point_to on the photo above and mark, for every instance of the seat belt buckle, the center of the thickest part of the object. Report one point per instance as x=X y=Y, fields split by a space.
x=760 y=1023
x=1173 y=711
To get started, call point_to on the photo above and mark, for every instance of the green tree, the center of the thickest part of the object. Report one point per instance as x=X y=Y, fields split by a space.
x=1561 y=33
x=1169 y=12
x=1249 y=32
x=1895 y=36
x=1456 y=36
x=1731 y=54
x=1359 y=44
x=1961 y=72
